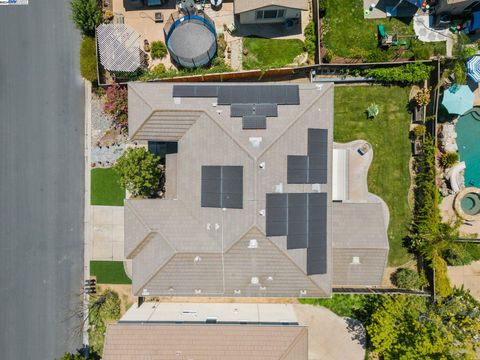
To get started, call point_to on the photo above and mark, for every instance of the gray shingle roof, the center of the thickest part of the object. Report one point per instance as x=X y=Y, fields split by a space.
x=205 y=342
x=177 y=231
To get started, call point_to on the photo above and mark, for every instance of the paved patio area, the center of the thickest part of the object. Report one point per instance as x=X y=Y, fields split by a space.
x=448 y=215
x=331 y=337
x=382 y=9
x=107 y=232
x=468 y=276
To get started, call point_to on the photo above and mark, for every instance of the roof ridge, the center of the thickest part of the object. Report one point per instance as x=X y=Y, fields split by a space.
x=139 y=218
x=295 y=341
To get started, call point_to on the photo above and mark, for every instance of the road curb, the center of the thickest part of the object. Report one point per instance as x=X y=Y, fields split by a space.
x=86 y=220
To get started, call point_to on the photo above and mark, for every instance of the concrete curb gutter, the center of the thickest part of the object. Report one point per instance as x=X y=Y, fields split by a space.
x=86 y=219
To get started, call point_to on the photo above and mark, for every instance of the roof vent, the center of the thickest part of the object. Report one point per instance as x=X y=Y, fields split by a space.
x=262 y=165
x=279 y=188
x=219 y=111
x=262 y=212
x=214 y=104
x=270 y=278
x=316 y=187
x=303 y=292
x=178 y=353
x=145 y=292
x=254 y=280
x=197 y=259
x=217 y=226
x=198 y=291
x=209 y=226
x=255 y=141
x=177 y=100
x=253 y=244
x=263 y=288
x=355 y=260
x=171 y=289
x=237 y=291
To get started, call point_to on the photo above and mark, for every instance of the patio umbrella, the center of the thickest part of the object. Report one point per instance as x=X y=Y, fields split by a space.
x=458 y=99
x=473 y=68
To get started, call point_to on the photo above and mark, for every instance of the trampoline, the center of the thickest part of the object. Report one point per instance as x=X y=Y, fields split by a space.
x=191 y=39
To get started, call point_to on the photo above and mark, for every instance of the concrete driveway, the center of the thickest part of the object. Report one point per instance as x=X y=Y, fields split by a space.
x=330 y=337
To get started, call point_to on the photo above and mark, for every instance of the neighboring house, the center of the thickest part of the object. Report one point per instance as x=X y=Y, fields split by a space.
x=268 y=11
x=254 y=203
x=455 y=7
x=172 y=331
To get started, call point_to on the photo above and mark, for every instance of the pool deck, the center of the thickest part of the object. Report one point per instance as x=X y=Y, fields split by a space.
x=449 y=215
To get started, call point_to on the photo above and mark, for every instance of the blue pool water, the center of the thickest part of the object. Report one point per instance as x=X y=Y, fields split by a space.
x=468 y=141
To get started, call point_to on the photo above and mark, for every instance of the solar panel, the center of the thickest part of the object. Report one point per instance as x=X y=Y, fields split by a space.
x=254 y=122
x=297 y=169
x=302 y=217
x=195 y=90
x=276 y=214
x=239 y=110
x=247 y=94
x=317 y=141
x=222 y=187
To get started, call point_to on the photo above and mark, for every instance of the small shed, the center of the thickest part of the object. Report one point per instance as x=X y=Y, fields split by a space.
x=119 y=47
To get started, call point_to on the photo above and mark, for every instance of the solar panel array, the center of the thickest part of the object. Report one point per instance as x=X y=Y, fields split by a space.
x=222 y=187
x=312 y=168
x=302 y=218
x=251 y=102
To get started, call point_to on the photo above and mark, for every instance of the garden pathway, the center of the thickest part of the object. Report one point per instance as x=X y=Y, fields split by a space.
x=236 y=45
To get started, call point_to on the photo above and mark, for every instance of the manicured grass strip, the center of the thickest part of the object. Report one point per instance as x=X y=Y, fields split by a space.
x=389 y=175
x=270 y=53
x=105 y=188
x=342 y=305
x=109 y=272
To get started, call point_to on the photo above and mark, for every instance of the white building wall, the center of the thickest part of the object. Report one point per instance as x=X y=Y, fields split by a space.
x=250 y=17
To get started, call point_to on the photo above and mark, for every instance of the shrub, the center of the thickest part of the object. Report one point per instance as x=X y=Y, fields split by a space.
x=422 y=98
x=328 y=57
x=116 y=104
x=86 y=15
x=449 y=159
x=158 y=50
x=359 y=53
x=310 y=40
x=421 y=51
x=419 y=130
x=88 y=59
x=468 y=253
x=460 y=72
x=468 y=52
x=157 y=71
x=443 y=287
x=405 y=74
x=378 y=55
x=140 y=172
x=407 y=279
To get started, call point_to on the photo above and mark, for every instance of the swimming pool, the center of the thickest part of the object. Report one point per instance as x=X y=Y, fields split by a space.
x=468 y=142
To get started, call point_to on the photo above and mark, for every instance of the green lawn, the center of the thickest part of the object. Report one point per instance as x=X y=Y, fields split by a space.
x=270 y=53
x=109 y=272
x=342 y=305
x=388 y=176
x=105 y=188
x=347 y=33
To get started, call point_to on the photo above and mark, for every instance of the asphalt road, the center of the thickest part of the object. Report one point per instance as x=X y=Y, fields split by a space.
x=41 y=180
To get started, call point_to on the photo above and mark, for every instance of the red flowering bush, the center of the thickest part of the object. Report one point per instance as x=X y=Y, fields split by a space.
x=116 y=104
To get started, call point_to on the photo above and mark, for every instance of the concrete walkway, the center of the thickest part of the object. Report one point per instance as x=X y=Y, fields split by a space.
x=331 y=337
x=107 y=232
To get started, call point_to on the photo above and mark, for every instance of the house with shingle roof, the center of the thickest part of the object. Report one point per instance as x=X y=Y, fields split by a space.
x=268 y=11
x=259 y=201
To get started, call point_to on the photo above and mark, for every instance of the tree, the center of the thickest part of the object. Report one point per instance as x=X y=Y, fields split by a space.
x=158 y=50
x=140 y=172
x=87 y=15
x=406 y=327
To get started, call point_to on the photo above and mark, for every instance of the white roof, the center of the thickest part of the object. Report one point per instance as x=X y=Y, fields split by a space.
x=119 y=47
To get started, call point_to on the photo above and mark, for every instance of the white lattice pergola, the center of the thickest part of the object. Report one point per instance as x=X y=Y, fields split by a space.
x=119 y=47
